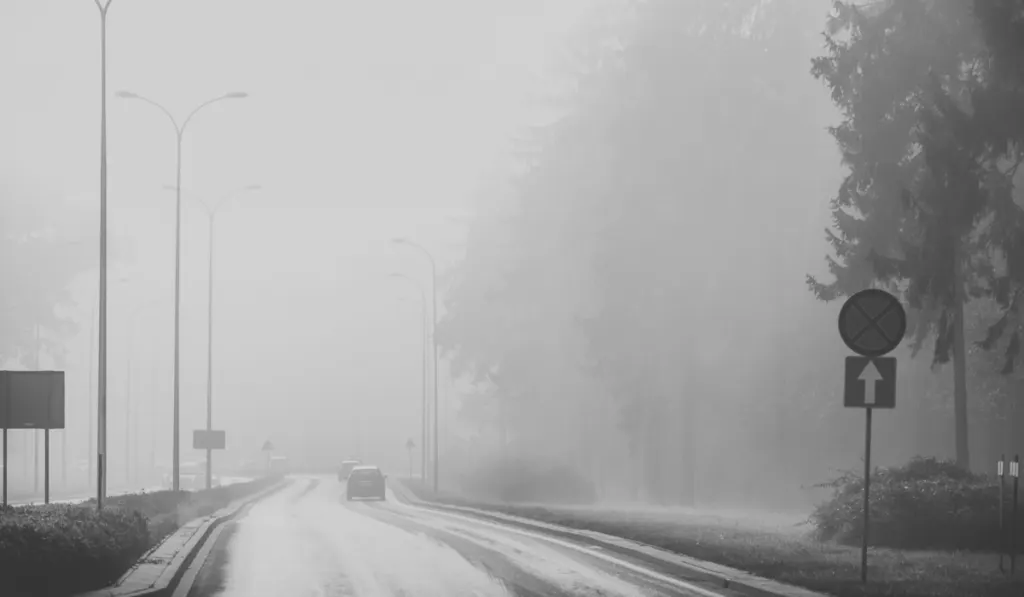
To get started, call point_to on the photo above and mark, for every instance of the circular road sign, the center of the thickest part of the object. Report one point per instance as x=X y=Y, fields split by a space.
x=872 y=322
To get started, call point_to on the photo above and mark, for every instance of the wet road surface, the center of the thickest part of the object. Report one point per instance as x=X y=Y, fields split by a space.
x=308 y=541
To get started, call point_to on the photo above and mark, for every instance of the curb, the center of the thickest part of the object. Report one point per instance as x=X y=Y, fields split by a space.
x=737 y=581
x=158 y=571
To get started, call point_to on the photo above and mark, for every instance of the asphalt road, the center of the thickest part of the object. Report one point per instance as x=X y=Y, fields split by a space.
x=308 y=541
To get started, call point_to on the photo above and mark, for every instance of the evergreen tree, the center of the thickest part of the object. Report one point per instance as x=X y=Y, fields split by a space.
x=906 y=75
x=682 y=146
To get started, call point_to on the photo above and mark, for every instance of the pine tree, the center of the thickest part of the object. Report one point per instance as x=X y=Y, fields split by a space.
x=905 y=75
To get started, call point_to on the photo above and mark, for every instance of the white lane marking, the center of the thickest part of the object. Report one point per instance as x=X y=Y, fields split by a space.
x=542 y=561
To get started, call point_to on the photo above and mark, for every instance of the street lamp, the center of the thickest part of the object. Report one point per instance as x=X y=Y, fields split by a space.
x=101 y=410
x=433 y=334
x=423 y=367
x=101 y=392
x=179 y=132
x=211 y=211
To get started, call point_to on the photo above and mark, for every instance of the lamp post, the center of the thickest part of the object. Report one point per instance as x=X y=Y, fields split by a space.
x=211 y=212
x=179 y=132
x=101 y=437
x=101 y=392
x=423 y=368
x=35 y=432
x=92 y=349
x=433 y=335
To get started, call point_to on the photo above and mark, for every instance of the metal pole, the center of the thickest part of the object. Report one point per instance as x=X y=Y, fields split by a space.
x=154 y=416
x=433 y=335
x=209 y=360
x=5 y=467
x=176 y=448
x=1014 y=527
x=101 y=396
x=423 y=384
x=64 y=457
x=46 y=465
x=1002 y=507
x=26 y=443
x=128 y=421
x=135 y=441
x=92 y=359
x=7 y=417
x=867 y=492
x=35 y=432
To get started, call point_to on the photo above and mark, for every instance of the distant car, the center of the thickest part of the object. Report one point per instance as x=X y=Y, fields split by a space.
x=366 y=482
x=346 y=468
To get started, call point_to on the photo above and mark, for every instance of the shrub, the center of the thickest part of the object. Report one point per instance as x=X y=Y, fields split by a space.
x=521 y=480
x=62 y=549
x=925 y=504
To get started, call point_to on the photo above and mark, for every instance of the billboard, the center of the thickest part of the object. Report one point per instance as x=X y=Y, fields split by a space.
x=31 y=400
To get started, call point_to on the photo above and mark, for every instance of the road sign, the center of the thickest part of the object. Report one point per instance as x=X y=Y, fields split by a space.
x=872 y=322
x=203 y=439
x=870 y=383
x=267 y=446
x=409 y=445
x=32 y=399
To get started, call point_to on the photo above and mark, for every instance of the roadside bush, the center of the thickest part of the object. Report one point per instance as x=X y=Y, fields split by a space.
x=521 y=480
x=63 y=549
x=925 y=504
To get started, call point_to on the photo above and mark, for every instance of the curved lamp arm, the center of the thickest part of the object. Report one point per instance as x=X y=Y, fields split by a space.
x=131 y=95
x=180 y=129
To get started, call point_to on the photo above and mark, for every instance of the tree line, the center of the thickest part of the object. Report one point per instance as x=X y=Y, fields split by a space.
x=637 y=270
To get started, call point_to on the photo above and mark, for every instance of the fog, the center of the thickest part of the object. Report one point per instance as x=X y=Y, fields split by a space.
x=367 y=122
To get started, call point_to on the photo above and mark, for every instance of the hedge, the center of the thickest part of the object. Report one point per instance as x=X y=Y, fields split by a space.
x=63 y=549
x=925 y=504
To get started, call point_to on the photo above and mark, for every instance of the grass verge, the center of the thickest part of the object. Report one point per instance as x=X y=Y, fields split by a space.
x=784 y=555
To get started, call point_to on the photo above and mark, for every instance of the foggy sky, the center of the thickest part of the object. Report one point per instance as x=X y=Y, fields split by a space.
x=366 y=121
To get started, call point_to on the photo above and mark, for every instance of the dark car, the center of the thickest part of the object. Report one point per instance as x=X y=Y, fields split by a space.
x=366 y=482
x=346 y=469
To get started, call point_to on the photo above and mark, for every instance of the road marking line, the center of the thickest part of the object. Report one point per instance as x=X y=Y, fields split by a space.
x=642 y=571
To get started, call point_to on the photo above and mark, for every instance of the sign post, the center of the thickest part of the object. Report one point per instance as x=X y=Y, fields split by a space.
x=268 y=448
x=872 y=323
x=1015 y=473
x=1001 y=473
x=209 y=440
x=31 y=400
x=409 y=446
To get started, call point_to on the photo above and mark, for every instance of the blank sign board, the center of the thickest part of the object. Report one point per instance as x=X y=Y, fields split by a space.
x=208 y=440
x=31 y=400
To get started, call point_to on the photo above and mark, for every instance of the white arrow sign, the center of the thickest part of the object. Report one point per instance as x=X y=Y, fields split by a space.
x=870 y=376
